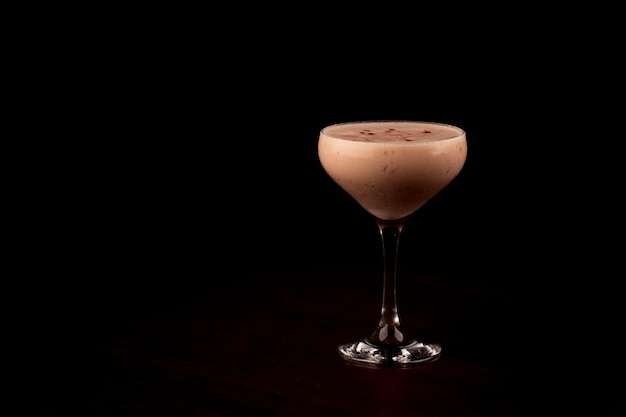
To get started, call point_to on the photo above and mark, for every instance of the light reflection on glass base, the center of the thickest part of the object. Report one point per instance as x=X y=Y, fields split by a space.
x=413 y=353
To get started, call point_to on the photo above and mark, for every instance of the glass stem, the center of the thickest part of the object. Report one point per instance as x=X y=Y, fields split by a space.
x=388 y=331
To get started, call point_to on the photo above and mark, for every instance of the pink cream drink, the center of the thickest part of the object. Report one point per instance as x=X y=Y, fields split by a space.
x=392 y=168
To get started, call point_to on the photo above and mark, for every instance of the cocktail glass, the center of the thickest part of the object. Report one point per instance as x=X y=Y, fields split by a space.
x=391 y=168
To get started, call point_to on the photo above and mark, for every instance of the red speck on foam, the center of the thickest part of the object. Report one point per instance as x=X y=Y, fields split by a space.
x=427 y=131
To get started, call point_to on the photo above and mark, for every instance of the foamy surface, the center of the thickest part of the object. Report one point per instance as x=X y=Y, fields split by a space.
x=393 y=131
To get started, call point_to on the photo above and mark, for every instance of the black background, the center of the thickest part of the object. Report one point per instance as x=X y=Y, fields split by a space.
x=165 y=161
x=181 y=177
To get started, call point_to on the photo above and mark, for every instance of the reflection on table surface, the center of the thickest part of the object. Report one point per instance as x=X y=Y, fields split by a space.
x=266 y=344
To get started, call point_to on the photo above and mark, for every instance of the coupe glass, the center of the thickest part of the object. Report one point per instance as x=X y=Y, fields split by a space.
x=391 y=168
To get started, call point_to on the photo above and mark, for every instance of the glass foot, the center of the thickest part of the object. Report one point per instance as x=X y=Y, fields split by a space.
x=413 y=353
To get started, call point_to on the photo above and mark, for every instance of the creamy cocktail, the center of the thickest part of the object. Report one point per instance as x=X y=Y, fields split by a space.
x=392 y=168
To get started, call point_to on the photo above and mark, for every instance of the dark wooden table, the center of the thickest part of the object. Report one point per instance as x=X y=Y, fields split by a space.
x=266 y=345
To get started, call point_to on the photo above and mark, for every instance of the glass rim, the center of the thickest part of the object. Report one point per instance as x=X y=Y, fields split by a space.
x=461 y=131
